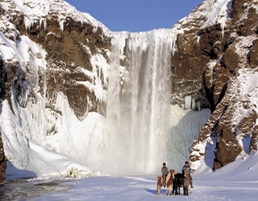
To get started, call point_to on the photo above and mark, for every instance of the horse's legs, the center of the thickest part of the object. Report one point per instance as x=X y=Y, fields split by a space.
x=185 y=190
x=169 y=191
x=178 y=190
x=158 y=189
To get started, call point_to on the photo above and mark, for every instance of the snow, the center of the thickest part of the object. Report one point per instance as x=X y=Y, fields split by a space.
x=36 y=11
x=7 y=49
x=247 y=86
x=210 y=12
x=236 y=181
x=217 y=12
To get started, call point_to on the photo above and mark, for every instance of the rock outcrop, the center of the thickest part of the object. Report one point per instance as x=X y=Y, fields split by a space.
x=223 y=60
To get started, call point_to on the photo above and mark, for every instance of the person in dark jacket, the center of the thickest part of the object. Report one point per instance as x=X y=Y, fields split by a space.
x=164 y=171
x=190 y=170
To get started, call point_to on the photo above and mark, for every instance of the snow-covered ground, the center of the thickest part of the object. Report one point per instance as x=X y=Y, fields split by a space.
x=144 y=188
x=236 y=181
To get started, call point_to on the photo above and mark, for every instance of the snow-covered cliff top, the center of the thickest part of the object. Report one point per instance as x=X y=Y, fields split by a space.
x=40 y=10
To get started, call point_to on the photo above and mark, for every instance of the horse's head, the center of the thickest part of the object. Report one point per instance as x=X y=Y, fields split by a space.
x=186 y=172
x=172 y=173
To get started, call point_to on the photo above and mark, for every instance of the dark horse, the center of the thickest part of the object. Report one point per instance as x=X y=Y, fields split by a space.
x=181 y=180
x=178 y=182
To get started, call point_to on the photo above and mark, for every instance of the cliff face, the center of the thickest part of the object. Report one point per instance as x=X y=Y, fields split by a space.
x=70 y=41
x=220 y=58
x=48 y=48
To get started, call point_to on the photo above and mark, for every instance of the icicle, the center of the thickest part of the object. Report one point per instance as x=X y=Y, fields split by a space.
x=27 y=23
x=188 y=102
x=61 y=24
x=198 y=39
x=222 y=28
x=173 y=46
x=94 y=30
x=44 y=21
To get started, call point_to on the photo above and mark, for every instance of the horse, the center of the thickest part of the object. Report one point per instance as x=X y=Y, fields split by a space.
x=169 y=182
x=187 y=180
x=177 y=183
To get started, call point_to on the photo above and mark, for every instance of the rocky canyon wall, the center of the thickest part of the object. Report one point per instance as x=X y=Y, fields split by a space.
x=219 y=57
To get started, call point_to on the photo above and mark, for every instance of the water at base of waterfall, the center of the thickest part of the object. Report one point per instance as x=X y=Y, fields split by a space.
x=20 y=189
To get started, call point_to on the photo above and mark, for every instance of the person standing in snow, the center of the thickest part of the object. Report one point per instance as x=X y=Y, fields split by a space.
x=190 y=170
x=164 y=171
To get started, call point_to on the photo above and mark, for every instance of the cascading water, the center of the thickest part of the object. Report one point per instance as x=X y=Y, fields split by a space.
x=138 y=102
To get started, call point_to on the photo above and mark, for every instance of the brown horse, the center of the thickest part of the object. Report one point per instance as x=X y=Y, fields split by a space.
x=169 y=182
x=187 y=180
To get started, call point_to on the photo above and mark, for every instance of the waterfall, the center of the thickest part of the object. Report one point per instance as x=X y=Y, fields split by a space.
x=138 y=102
x=141 y=129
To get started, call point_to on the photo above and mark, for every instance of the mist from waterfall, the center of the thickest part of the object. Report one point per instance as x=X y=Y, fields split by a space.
x=138 y=102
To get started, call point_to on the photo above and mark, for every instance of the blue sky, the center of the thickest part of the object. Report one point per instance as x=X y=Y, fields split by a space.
x=136 y=15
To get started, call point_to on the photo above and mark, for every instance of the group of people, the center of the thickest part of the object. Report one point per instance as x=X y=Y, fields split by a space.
x=165 y=171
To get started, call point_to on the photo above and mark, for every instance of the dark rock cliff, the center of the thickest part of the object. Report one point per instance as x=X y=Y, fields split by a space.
x=222 y=63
